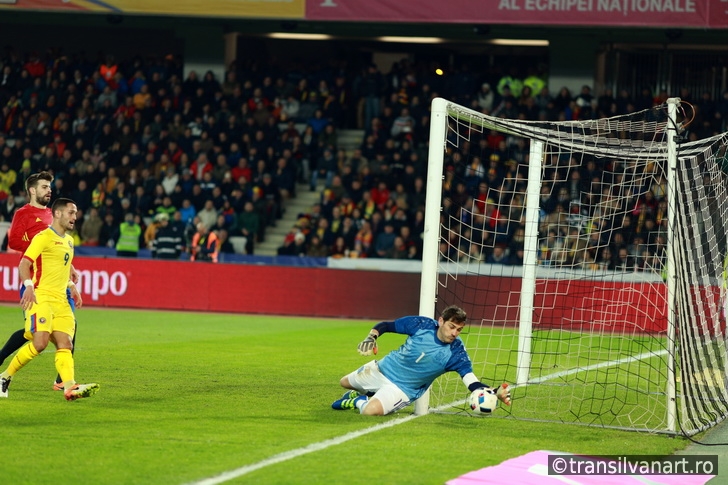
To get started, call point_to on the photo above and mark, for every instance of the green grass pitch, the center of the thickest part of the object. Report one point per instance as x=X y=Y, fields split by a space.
x=187 y=396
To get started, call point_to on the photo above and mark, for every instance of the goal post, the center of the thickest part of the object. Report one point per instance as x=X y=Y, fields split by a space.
x=431 y=235
x=530 y=244
x=590 y=257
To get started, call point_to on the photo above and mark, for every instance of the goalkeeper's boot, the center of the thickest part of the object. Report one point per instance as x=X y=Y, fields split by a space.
x=4 y=384
x=348 y=400
x=79 y=391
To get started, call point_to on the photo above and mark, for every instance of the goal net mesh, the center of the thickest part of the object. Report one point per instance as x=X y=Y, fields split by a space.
x=598 y=341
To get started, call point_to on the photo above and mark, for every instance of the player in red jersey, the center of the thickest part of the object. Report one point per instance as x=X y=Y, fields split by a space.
x=28 y=221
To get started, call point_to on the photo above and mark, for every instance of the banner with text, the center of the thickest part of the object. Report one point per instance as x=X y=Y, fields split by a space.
x=234 y=288
x=638 y=13
x=352 y=293
x=290 y=9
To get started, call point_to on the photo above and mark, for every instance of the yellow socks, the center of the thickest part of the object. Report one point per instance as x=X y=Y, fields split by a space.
x=26 y=353
x=65 y=365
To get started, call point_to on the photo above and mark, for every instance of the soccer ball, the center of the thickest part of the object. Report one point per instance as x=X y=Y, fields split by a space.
x=483 y=401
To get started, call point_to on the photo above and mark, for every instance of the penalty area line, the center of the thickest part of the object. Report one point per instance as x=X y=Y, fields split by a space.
x=289 y=455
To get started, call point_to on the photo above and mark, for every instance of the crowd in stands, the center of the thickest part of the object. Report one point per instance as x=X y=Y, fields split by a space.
x=223 y=156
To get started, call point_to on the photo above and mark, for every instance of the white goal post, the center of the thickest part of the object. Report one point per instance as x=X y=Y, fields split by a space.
x=591 y=257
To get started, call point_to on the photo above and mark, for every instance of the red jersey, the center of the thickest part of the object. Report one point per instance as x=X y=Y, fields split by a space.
x=27 y=222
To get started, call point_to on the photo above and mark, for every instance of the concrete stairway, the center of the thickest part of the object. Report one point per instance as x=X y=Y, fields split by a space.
x=301 y=204
x=305 y=199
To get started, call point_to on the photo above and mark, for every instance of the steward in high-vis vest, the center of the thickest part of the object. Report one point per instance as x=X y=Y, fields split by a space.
x=205 y=245
x=513 y=83
x=129 y=232
x=535 y=83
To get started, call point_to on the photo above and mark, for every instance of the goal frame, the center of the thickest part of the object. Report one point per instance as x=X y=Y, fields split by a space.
x=431 y=237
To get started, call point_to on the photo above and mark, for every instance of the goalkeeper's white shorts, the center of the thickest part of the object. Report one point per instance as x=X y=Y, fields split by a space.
x=367 y=378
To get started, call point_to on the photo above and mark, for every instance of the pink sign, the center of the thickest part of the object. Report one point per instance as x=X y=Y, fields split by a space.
x=638 y=13
x=532 y=469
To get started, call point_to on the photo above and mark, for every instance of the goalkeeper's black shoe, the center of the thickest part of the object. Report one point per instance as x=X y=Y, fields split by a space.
x=348 y=400
x=4 y=384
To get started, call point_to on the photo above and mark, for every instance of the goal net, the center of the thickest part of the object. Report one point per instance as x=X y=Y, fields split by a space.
x=591 y=259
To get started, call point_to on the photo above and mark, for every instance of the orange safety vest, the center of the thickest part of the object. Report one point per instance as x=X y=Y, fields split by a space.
x=209 y=240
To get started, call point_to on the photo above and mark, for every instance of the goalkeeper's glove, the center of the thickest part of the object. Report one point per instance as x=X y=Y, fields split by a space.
x=368 y=346
x=504 y=393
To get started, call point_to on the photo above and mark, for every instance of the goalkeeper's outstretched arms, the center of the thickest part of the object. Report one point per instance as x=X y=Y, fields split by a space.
x=368 y=346
x=503 y=392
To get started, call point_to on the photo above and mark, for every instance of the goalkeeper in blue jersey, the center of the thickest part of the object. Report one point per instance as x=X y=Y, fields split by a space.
x=432 y=348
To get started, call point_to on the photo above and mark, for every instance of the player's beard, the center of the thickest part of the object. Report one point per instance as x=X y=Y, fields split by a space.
x=45 y=200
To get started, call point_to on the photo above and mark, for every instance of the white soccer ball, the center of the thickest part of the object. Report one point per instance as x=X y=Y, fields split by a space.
x=483 y=401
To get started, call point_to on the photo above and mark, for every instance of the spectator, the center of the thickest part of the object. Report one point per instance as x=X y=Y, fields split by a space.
x=208 y=214
x=108 y=234
x=384 y=243
x=91 y=230
x=403 y=125
x=316 y=248
x=170 y=180
x=295 y=247
x=339 y=249
x=398 y=250
x=8 y=177
x=369 y=88
x=200 y=166
x=325 y=169
x=498 y=256
x=168 y=241
x=8 y=208
x=223 y=237
x=129 y=232
x=204 y=246
x=246 y=225
x=484 y=98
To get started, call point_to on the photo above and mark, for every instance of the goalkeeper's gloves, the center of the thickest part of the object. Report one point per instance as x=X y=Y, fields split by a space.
x=368 y=346
x=504 y=393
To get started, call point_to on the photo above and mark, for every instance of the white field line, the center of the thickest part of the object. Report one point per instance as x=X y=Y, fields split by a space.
x=288 y=455
x=600 y=365
x=322 y=445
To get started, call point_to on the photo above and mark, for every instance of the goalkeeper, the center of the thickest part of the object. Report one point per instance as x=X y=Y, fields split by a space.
x=432 y=348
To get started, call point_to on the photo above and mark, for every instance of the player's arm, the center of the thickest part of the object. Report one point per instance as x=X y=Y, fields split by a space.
x=16 y=232
x=75 y=294
x=24 y=271
x=460 y=362
x=368 y=346
x=74 y=275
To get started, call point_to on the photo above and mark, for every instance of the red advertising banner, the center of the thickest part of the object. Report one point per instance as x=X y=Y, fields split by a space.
x=578 y=305
x=235 y=288
x=637 y=13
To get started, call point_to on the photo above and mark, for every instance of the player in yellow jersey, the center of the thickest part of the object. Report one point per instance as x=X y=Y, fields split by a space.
x=48 y=316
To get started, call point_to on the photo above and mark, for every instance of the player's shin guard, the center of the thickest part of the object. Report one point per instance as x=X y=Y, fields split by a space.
x=65 y=365
x=24 y=355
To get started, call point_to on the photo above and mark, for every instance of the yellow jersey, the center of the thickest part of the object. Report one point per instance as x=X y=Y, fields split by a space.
x=51 y=256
